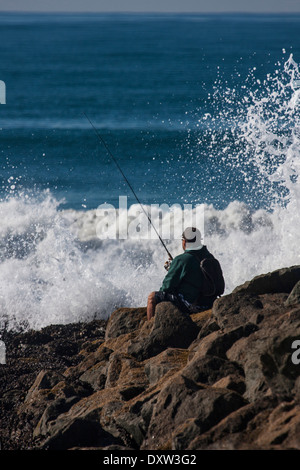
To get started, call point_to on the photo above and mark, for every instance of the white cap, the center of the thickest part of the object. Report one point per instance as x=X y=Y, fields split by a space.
x=193 y=238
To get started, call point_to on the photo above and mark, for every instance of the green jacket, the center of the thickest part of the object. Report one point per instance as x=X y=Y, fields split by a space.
x=185 y=276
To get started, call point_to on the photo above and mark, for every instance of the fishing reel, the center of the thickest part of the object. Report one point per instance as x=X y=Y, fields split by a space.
x=167 y=264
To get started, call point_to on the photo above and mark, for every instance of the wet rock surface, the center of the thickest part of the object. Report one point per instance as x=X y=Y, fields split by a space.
x=225 y=378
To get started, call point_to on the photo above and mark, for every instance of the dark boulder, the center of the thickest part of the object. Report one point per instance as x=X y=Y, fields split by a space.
x=280 y=280
x=125 y=320
x=171 y=329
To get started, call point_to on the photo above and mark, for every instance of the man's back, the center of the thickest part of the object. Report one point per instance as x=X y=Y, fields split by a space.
x=185 y=275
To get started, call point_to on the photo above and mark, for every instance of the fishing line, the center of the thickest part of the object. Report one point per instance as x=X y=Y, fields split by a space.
x=128 y=183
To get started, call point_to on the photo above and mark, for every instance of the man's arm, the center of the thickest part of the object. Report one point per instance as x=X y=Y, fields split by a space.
x=174 y=276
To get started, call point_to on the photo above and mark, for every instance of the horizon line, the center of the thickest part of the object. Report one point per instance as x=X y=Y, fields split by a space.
x=155 y=12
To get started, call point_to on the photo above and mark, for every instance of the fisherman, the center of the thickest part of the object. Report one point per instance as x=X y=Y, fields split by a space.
x=184 y=281
x=186 y=278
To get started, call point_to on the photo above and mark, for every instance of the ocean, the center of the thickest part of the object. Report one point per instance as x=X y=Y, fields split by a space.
x=198 y=111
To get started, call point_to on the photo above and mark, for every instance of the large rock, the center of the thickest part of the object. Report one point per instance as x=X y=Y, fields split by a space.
x=171 y=329
x=125 y=320
x=266 y=356
x=235 y=310
x=263 y=425
x=80 y=425
x=283 y=425
x=216 y=371
x=126 y=373
x=238 y=431
x=93 y=369
x=182 y=399
x=280 y=280
x=170 y=360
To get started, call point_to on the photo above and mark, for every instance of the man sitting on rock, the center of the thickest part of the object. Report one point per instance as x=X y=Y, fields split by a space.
x=183 y=285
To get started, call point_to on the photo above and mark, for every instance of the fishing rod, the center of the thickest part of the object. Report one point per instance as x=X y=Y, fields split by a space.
x=128 y=183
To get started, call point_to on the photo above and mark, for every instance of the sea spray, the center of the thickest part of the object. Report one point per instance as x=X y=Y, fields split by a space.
x=252 y=130
x=45 y=276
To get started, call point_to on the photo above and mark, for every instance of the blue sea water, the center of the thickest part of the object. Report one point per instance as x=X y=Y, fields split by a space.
x=145 y=81
x=196 y=109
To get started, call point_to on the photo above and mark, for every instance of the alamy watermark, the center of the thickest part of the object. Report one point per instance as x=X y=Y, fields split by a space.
x=296 y=354
x=145 y=222
x=2 y=92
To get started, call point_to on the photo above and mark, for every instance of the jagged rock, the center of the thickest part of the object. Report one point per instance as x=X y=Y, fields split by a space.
x=79 y=432
x=95 y=376
x=171 y=329
x=238 y=431
x=235 y=310
x=132 y=420
x=233 y=382
x=202 y=318
x=294 y=297
x=93 y=369
x=182 y=399
x=280 y=280
x=172 y=359
x=283 y=425
x=46 y=379
x=127 y=373
x=266 y=356
x=125 y=320
x=263 y=425
x=51 y=412
x=211 y=370
x=80 y=425
x=218 y=342
x=39 y=395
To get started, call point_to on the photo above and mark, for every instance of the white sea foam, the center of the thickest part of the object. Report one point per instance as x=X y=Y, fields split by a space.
x=54 y=269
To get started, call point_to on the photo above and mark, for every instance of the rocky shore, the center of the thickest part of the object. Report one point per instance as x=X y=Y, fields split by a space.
x=226 y=378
